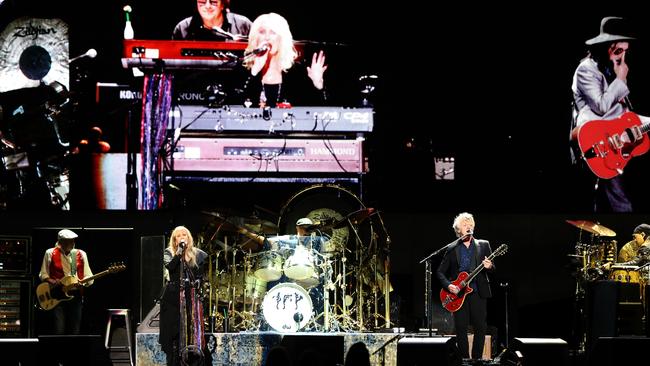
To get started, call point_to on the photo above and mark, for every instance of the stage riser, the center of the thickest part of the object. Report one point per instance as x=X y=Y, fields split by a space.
x=251 y=348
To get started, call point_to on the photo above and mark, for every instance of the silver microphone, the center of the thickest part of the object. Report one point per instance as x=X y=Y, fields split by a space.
x=182 y=244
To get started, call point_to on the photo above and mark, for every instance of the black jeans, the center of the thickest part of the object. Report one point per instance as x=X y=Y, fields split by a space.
x=473 y=311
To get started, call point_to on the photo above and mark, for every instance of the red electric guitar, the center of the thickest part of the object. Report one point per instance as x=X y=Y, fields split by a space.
x=453 y=302
x=607 y=146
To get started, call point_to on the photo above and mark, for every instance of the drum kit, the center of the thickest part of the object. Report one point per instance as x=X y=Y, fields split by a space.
x=260 y=280
x=597 y=256
x=593 y=251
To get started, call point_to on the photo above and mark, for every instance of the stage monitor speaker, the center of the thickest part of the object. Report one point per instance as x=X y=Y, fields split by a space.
x=602 y=308
x=618 y=351
x=428 y=351
x=315 y=350
x=72 y=350
x=19 y=351
x=151 y=272
x=540 y=351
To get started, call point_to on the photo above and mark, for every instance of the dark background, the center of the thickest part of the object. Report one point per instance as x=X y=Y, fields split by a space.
x=486 y=83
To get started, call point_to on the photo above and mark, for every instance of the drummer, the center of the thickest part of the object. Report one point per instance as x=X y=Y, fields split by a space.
x=640 y=236
x=307 y=235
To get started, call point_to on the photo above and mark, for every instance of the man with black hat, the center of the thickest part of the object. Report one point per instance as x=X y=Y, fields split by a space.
x=640 y=236
x=600 y=92
x=61 y=261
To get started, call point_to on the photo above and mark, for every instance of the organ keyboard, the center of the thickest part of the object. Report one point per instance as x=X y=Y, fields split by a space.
x=268 y=155
x=295 y=119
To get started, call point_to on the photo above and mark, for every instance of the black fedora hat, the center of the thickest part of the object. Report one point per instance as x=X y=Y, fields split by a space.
x=611 y=29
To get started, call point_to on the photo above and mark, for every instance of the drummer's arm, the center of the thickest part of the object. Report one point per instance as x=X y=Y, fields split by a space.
x=266 y=243
x=259 y=239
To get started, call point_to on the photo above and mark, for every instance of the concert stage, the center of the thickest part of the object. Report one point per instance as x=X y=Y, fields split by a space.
x=251 y=348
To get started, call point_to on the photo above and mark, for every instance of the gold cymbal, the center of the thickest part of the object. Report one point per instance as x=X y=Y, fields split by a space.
x=592 y=227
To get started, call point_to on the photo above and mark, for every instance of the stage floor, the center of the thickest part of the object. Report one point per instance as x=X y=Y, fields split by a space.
x=251 y=348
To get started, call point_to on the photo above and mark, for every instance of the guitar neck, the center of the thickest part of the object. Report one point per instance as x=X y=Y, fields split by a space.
x=478 y=269
x=95 y=276
x=645 y=128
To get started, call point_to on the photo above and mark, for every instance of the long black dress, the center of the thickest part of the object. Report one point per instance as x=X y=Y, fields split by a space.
x=170 y=319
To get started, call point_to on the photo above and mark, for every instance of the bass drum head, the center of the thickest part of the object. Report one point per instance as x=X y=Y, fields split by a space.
x=287 y=307
x=321 y=202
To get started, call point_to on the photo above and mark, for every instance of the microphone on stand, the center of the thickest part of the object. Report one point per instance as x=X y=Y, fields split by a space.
x=91 y=53
x=467 y=235
x=259 y=51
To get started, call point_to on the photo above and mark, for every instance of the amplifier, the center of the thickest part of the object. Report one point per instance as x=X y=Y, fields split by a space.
x=15 y=307
x=268 y=155
x=14 y=254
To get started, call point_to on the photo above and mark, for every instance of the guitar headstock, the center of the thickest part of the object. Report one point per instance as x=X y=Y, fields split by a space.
x=116 y=267
x=501 y=250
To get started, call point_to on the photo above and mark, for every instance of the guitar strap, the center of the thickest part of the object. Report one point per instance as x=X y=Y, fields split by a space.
x=73 y=262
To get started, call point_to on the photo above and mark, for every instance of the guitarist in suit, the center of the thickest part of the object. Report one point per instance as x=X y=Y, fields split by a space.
x=600 y=92
x=464 y=256
x=66 y=260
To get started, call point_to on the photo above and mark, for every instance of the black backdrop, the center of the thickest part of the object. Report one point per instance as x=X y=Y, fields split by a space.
x=474 y=81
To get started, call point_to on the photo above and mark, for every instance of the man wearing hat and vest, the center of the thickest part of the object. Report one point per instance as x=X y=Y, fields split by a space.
x=600 y=92
x=65 y=260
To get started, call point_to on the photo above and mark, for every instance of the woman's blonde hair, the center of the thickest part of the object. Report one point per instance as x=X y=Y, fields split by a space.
x=287 y=52
x=173 y=245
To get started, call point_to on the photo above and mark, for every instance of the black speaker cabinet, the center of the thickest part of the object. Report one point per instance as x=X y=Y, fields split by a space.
x=72 y=350
x=428 y=351
x=151 y=272
x=315 y=350
x=19 y=351
x=540 y=351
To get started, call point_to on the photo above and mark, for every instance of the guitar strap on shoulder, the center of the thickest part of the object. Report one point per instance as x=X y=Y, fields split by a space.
x=73 y=262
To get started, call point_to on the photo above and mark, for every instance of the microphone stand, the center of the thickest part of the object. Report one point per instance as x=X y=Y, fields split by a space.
x=383 y=347
x=428 y=291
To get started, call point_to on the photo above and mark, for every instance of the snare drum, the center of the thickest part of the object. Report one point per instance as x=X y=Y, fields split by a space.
x=269 y=266
x=625 y=275
x=300 y=265
x=287 y=307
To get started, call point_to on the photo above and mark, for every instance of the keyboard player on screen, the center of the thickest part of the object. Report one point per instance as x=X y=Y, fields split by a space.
x=213 y=21
x=276 y=76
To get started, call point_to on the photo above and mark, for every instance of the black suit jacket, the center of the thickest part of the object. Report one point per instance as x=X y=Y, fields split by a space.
x=448 y=268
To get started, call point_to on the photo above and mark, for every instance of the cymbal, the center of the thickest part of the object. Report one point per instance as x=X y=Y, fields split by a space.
x=355 y=217
x=261 y=226
x=222 y=223
x=592 y=227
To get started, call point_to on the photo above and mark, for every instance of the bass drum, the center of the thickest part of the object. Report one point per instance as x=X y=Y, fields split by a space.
x=287 y=307
x=322 y=202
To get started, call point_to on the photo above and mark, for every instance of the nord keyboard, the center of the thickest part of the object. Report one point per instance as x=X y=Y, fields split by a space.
x=268 y=155
x=179 y=54
x=295 y=119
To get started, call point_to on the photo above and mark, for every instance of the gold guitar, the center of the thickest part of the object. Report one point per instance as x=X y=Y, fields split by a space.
x=49 y=296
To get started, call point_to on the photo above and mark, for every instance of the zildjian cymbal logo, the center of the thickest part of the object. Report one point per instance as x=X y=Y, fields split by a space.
x=32 y=31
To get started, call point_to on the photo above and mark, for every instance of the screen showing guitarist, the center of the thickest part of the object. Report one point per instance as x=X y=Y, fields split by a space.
x=63 y=266
x=606 y=135
x=466 y=255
